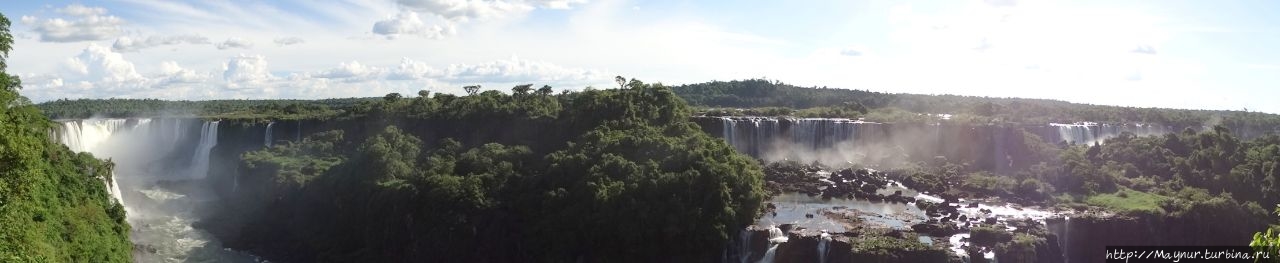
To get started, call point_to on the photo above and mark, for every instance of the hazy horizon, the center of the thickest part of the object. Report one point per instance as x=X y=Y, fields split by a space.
x=1167 y=54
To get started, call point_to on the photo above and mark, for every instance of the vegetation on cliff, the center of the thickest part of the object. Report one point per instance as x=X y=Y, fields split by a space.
x=598 y=175
x=54 y=206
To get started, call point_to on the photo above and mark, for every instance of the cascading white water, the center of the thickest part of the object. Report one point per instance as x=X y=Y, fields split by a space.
x=208 y=139
x=161 y=208
x=824 y=245
x=268 y=135
x=759 y=136
x=1066 y=240
x=776 y=238
x=85 y=136
x=1090 y=133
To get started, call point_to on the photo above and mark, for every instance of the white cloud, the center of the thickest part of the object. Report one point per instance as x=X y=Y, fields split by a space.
x=1145 y=49
x=86 y=24
x=246 y=69
x=463 y=10
x=98 y=63
x=235 y=42
x=410 y=19
x=515 y=70
x=352 y=71
x=81 y=10
x=560 y=4
x=128 y=44
x=411 y=70
x=853 y=51
x=171 y=72
x=286 y=41
x=408 y=23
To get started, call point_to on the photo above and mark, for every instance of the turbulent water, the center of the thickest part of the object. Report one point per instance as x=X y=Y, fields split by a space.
x=159 y=178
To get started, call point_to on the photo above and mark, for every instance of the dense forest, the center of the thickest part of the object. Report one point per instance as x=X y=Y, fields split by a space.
x=598 y=175
x=761 y=97
x=54 y=206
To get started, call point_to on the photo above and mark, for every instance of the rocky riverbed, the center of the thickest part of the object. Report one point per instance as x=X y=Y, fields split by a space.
x=860 y=215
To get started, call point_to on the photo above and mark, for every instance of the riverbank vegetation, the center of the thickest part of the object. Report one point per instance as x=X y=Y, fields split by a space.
x=54 y=206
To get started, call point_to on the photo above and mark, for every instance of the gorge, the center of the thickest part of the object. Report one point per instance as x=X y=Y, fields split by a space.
x=175 y=176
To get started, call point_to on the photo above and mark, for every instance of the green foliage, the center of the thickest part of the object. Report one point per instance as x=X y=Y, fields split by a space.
x=885 y=107
x=1127 y=200
x=613 y=175
x=54 y=206
x=989 y=236
x=1021 y=249
x=990 y=185
x=294 y=164
x=881 y=248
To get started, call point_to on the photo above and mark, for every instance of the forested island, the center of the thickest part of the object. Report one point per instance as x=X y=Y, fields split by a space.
x=640 y=172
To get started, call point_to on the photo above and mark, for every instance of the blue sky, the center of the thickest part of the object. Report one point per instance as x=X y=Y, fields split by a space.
x=1183 y=54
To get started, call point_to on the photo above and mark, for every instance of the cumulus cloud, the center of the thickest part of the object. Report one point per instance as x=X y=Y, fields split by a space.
x=408 y=23
x=235 y=42
x=246 y=69
x=410 y=70
x=85 y=24
x=353 y=70
x=171 y=72
x=98 y=63
x=128 y=44
x=286 y=41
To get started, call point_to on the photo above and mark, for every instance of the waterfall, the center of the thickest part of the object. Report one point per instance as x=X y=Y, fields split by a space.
x=744 y=246
x=268 y=136
x=776 y=238
x=1089 y=133
x=208 y=139
x=87 y=135
x=756 y=136
x=824 y=245
x=297 y=136
x=1066 y=240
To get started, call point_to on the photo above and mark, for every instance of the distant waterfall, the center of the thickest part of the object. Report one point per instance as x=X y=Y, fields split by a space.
x=776 y=238
x=268 y=136
x=1089 y=133
x=208 y=139
x=758 y=136
x=824 y=245
x=1066 y=241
